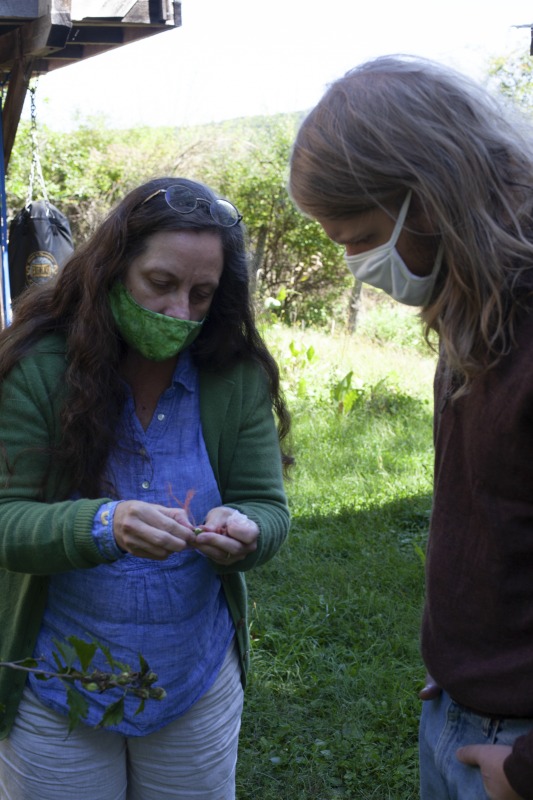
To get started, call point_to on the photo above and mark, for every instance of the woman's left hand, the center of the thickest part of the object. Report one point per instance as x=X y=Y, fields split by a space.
x=227 y=536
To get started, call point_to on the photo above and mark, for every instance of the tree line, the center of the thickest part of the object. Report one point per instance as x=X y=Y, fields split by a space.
x=300 y=274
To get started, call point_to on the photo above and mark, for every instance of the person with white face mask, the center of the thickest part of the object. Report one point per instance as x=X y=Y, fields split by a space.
x=384 y=268
x=427 y=183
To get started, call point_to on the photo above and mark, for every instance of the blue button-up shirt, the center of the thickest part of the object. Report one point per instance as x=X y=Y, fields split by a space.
x=174 y=612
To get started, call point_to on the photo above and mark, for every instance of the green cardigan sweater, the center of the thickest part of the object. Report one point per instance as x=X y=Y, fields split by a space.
x=43 y=532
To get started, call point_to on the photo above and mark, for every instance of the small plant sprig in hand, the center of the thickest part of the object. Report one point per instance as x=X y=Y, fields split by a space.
x=139 y=683
x=186 y=505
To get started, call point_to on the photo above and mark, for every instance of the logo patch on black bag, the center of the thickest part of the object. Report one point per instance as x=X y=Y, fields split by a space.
x=40 y=267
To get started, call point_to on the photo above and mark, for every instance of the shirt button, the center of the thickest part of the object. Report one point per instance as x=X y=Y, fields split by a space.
x=145 y=484
x=160 y=417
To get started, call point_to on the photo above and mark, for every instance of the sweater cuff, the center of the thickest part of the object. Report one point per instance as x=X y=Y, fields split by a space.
x=518 y=766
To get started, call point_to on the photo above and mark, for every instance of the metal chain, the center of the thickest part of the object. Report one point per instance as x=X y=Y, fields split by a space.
x=35 y=168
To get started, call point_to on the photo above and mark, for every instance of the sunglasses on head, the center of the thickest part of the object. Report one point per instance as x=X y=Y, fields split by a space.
x=181 y=199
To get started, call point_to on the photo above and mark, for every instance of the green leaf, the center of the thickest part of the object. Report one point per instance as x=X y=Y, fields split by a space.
x=29 y=662
x=84 y=650
x=144 y=665
x=295 y=351
x=68 y=653
x=107 y=653
x=113 y=715
x=110 y=660
x=78 y=707
x=140 y=707
x=59 y=663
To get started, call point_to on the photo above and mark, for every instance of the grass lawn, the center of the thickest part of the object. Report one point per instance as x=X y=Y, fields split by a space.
x=331 y=709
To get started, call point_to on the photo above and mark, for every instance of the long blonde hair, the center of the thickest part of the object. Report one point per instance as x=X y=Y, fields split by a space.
x=399 y=123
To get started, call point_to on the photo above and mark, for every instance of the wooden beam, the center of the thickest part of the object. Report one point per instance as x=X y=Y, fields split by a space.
x=24 y=9
x=68 y=31
x=139 y=12
x=19 y=80
x=96 y=34
x=19 y=50
x=100 y=9
x=60 y=13
x=33 y=39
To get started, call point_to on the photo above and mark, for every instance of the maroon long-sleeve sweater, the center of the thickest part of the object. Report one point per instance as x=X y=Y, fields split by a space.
x=477 y=634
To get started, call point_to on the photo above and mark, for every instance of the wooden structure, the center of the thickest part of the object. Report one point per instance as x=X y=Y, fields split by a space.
x=38 y=36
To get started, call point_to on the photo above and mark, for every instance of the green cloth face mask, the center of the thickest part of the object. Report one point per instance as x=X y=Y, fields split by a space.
x=155 y=336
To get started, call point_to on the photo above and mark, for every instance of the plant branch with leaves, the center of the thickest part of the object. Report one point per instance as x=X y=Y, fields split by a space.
x=138 y=683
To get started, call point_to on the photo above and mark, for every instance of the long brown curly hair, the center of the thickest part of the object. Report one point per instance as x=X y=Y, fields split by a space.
x=400 y=123
x=76 y=304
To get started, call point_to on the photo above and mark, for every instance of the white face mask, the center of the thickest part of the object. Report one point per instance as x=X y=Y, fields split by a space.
x=384 y=268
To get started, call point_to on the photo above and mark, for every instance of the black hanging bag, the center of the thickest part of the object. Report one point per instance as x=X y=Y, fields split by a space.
x=40 y=242
x=40 y=239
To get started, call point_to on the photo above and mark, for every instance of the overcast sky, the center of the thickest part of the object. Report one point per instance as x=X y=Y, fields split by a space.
x=233 y=58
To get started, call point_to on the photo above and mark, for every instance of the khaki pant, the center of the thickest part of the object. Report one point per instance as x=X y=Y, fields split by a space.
x=193 y=758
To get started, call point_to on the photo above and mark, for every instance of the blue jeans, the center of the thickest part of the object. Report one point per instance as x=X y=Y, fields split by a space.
x=444 y=728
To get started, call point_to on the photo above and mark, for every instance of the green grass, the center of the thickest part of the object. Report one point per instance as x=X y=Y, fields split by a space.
x=331 y=709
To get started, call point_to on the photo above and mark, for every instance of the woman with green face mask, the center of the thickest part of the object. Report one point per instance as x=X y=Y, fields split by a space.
x=141 y=478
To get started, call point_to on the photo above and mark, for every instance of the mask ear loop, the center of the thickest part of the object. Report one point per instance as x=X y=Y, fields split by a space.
x=360 y=258
x=401 y=220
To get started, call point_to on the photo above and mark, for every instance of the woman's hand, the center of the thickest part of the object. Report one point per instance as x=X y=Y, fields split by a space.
x=147 y=530
x=227 y=536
